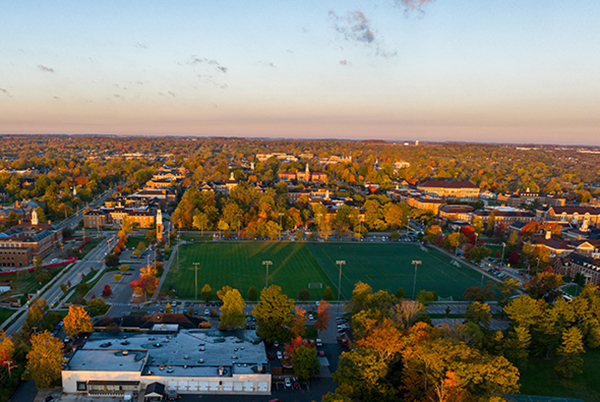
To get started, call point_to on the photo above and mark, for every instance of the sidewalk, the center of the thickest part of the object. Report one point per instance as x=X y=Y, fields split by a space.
x=167 y=266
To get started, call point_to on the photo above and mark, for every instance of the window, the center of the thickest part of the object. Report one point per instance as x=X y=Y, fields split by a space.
x=81 y=386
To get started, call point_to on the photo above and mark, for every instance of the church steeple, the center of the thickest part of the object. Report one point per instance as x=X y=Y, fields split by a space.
x=34 y=218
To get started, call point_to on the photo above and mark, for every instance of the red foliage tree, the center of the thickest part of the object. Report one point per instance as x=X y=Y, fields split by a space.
x=514 y=258
x=469 y=233
x=107 y=291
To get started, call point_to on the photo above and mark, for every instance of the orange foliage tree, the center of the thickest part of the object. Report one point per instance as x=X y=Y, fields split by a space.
x=147 y=284
x=322 y=322
x=77 y=321
x=299 y=324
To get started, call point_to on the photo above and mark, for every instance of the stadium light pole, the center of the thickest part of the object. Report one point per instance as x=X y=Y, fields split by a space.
x=267 y=263
x=340 y=263
x=416 y=263
x=196 y=266
x=503 y=246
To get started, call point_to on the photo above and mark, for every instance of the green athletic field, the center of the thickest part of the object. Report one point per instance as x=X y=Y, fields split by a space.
x=388 y=266
x=382 y=265
x=239 y=265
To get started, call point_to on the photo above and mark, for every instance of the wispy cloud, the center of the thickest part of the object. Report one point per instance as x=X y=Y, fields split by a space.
x=45 y=69
x=356 y=27
x=208 y=79
x=195 y=60
x=266 y=63
x=412 y=4
x=141 y=45
x=169 y=93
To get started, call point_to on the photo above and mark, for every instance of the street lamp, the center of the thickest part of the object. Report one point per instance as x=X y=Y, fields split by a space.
x=196 y=266
x=267 y=263
x=416 y=263
x=340 y=263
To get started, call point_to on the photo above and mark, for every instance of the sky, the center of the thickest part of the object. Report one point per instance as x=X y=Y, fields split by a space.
x=502 y=71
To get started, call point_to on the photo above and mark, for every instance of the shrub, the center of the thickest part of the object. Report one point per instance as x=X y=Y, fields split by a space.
x=303 y=295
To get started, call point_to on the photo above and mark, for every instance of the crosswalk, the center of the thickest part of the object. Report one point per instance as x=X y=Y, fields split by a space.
x=122 y=304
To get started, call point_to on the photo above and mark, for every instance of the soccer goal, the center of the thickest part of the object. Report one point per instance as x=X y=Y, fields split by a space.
x=315 y=285
x=455 y=263
x=445 y=299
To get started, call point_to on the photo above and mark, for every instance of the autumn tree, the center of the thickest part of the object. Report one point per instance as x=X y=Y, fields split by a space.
x=77 y=321
x=359 y=375
x=44 y=360
x=147 y=284
x=384 y=339
x=570 y=360
x=516 y=346
x=7 y=350
x=479 y=314
x=232 y=310
x=274 y=314
x=298 y=328
x=475 y=293
x=107 y=291
x=305 y=362
x=525 y=311
x=206 y=292
x=223 y=291
x=406 y=312
x=324 y=314
x=35 y=315
x=544 y=285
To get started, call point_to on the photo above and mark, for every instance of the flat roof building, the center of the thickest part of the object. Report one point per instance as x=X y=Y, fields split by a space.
x=188 y=362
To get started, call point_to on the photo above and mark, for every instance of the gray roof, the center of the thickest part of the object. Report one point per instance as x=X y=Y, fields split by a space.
x=193 y=353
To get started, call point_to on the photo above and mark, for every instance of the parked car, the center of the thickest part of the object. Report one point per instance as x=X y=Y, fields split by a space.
x=271 y=356
x=287 y=382
x=321 y=353
x=296 y=384
x=311 y=317
x=319 y=342
x=206 y=312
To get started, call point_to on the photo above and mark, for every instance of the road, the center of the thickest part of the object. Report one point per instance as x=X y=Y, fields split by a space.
x=74 y=219
x=53 y=293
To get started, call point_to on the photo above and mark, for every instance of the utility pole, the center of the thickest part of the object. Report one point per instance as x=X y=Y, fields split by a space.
x=196 y=266
x=340 y=263
x=416 y=263
x=267 y=263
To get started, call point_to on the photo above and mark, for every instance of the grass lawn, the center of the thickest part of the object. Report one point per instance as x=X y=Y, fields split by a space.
x=89 y=247
x=384 y=266
x=540 y=378
x=134 y=241
x=5 y=313
x=388 y=266
x=187 y=237
x=239 y=265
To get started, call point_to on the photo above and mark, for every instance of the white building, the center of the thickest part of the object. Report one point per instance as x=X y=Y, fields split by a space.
x=188 y=362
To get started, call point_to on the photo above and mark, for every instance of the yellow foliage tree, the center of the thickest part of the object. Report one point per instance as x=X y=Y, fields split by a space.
x=44 y=360
x=77 y=321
